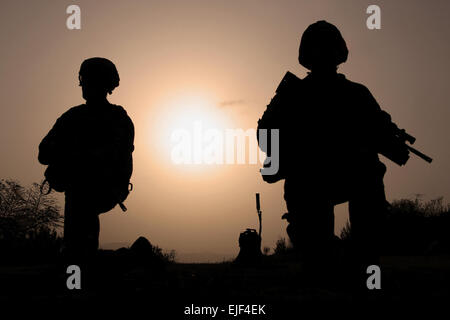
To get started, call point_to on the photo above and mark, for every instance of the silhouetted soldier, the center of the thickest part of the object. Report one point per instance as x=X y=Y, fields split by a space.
x=331 y=130
x=89 y=153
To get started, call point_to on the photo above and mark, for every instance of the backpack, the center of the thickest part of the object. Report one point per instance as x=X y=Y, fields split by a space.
x=102 y=183
x=274 y=118
x=106 y=201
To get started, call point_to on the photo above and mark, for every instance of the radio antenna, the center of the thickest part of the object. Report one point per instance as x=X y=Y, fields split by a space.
x=258 y=210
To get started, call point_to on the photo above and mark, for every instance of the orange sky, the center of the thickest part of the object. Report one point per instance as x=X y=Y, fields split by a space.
x=229 y=56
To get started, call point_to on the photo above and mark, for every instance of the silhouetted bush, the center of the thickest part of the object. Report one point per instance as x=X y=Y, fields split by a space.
x=414 y=227
x=282 y=246
x=143 y=250
x=29 y=223
x=168 y=257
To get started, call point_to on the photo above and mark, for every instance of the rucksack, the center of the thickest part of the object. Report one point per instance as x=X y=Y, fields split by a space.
x=274 y=118
x=103 y=183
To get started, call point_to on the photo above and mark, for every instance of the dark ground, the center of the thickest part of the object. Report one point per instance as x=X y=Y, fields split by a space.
x=283 y=285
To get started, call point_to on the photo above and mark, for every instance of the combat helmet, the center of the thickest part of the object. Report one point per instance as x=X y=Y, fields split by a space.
x=322 y=44
x=99 y=72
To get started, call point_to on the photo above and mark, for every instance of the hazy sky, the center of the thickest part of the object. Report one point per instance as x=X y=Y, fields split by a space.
x=218 y=62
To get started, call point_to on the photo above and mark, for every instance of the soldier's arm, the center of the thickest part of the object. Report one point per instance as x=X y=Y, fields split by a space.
x=49 y=146
x=285 y=96
x=125 y=140
x=125 y=144
x=130 y=145
x=270 y=118
x=130 y=135
x=377 y=122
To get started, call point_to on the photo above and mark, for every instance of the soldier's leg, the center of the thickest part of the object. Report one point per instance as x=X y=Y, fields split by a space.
x=311 y=221
x=70 y=225
x=81 y=227
x=367 y=213
x=90 y=233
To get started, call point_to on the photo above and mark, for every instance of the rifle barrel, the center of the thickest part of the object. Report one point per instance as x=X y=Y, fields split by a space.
x=420 y=154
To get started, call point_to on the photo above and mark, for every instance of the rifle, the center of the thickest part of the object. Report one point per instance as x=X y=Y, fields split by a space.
x=398 y=151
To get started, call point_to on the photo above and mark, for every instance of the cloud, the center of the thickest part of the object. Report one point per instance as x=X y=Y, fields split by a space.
x=231 y=103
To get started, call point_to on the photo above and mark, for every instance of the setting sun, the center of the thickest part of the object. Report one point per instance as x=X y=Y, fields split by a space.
x=191 y=115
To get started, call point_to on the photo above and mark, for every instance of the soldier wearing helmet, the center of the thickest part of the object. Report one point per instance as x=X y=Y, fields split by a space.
x=88 y=153
x=97 y=77
x=329 y=135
